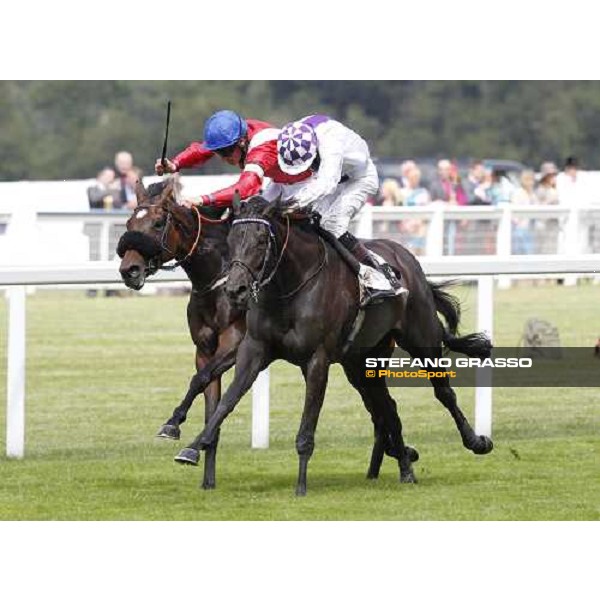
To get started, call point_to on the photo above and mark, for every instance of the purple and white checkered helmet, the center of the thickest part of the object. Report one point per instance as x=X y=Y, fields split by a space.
x=296 y=148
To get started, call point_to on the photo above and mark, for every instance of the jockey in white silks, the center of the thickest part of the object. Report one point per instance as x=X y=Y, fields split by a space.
x=344 y=176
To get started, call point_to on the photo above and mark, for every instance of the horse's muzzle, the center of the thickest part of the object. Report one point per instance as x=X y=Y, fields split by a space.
x=133 y=277
x=239 y=295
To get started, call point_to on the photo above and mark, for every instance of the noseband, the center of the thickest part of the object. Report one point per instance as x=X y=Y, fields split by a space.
x=260 y=281
x=150 y=249
x=163 y=241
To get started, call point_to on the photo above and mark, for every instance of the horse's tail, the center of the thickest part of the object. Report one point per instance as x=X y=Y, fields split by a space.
x=475 y=344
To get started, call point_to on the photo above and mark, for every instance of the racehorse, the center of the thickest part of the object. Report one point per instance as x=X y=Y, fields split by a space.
x=303 y=304
x=159 y=231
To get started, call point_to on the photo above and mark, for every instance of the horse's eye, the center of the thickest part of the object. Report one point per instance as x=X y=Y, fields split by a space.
x=159 y=225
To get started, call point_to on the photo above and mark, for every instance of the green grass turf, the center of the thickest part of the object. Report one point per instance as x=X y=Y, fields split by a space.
x=104 y=373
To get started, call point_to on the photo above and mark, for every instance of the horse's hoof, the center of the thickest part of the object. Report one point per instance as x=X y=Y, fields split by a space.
x=208 y=485
x=188 y=456
x=301 y=491
x=169 y=432
x=412 y=454
x=483 y=446
x=372 y=475
x=408 y=478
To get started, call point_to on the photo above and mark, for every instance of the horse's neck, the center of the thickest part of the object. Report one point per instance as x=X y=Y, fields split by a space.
x=302 y=255
x=210 y=258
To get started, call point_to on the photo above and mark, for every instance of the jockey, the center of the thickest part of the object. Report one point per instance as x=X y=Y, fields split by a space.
x=248 y=144
x=344 y=176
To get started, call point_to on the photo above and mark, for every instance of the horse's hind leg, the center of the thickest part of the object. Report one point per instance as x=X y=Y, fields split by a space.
x=352 y=368
x=387 y=423
x=478 y=444
x=394 y=426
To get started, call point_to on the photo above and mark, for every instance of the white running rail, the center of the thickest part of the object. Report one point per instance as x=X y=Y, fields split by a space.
x=484 y=269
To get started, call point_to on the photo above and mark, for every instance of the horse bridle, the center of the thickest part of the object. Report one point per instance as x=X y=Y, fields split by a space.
x=152 y=261
x=260 y=281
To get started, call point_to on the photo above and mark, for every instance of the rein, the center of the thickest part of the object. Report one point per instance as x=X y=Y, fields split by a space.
x=201 y=219
x=259 y=281
x=192 y=249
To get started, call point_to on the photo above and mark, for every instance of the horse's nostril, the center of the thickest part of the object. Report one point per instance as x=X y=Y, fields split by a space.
x=131 y=273
x=238 y=293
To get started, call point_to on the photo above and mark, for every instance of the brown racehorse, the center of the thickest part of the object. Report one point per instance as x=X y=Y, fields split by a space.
x=302 y=301
x=159 y=231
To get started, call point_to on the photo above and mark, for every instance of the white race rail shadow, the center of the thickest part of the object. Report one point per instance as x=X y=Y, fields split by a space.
x=483 y=269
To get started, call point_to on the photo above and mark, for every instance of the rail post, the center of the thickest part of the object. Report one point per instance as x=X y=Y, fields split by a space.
x=260 y=410
x=485 y=323
x=504 y=242
x=15 y=384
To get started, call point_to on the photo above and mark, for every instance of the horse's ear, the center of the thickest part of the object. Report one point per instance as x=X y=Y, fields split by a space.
x=273 y=208
x=167 y=196
x=237 y=202
x=140 y=192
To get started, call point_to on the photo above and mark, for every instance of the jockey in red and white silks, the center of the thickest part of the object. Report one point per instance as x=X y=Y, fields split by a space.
x=248 y=144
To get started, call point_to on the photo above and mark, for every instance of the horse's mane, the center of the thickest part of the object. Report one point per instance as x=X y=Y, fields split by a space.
x=302 y=219
x=154 y=192
x=156 y=189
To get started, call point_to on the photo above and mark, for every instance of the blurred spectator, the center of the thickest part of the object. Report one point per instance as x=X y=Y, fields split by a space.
x=574 y=190
x=405 y=168
x=414 y=230
x=546 y=191
x=447 y=186
x=415 y=194
x=132 y=177
x=123 y=164
x=390 y=193
x=473 y=183
x=570 y=185
x=547 y=230
x=522 y=238
x=102 y=194
x=497 y=186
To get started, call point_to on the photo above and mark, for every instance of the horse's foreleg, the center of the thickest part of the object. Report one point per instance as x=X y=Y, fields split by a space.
x=212 y=395
x=316 y=373
x=252 y=358
x=208 y=369
x=171 y=430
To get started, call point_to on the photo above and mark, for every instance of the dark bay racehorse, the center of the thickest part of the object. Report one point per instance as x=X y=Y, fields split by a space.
x=159 y=231
x=302 y=302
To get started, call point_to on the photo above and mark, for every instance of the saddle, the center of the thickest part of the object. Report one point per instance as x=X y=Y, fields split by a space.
x=312 y=218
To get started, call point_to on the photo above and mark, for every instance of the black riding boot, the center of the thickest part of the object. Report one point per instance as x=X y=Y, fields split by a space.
x=362 y=254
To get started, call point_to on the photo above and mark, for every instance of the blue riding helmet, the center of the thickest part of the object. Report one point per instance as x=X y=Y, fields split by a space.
x=224 y=129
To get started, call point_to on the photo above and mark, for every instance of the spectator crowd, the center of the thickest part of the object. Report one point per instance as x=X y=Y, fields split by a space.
x=479 y=185
x=482 y=185
x=114 y=188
